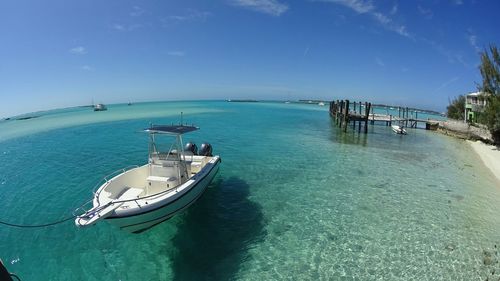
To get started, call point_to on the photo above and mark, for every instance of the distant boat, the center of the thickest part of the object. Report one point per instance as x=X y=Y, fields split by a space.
x=129 y=103
x=321 y=103
x=398 y=130
x=100 y=107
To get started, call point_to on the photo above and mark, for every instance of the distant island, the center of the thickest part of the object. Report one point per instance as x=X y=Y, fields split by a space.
x=241 y=100
x=21 y=118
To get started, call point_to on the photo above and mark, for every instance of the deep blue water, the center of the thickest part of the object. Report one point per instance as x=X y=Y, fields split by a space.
x=295 y=199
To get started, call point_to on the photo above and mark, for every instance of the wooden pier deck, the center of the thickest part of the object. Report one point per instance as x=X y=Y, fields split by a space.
x=343 y=115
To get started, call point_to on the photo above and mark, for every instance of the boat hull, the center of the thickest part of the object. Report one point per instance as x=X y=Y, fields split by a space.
x=398 y=130
x=143 y=220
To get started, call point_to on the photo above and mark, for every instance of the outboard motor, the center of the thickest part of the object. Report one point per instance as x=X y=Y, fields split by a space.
x=191 y=147
x=205 y=149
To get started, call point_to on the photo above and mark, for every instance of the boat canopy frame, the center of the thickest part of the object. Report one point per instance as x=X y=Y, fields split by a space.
x=171 y=129
x=175 y=152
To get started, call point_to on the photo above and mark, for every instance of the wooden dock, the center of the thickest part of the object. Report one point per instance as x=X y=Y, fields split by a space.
x=346 y=113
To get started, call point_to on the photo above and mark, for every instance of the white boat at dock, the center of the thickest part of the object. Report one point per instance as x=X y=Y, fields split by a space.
x=398 y=129
x=141 y=197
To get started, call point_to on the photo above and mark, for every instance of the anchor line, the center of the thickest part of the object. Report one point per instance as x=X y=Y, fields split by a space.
x=37 y=225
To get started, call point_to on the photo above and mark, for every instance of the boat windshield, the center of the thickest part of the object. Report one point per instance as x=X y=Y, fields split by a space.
x=164 y=147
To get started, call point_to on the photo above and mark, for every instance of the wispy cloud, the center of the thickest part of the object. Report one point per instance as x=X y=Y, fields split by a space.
x=391 y=25
x=458 y=2
x=367 y=7
x=176 y=53
x=473 y=40
x=118 y=27
x=379 y=62
x=270 y=7
x=427 y=13
x=80 y=50
x=126 y=27
x=446 y=84
x=452 y=56
x=87 y=68
x=306 y=51
x=137 y=11
x=394 y=9
x=189 y=16
x=360 y=6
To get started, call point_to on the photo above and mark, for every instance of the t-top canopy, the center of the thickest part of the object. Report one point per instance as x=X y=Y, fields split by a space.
x=170 y=129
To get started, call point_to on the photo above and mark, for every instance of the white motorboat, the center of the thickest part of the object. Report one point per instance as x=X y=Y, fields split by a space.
x=398 y=129
x=141 y=197
x=100 y=107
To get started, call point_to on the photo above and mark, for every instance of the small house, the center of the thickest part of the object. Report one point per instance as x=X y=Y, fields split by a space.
x=474 y=106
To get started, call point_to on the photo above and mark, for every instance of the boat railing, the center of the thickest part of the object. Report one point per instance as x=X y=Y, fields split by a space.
x=82 y=210
x=96 y=209
x=163 y=192
x=110 y=176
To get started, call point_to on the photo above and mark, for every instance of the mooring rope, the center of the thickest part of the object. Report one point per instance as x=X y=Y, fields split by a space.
x=37 y=225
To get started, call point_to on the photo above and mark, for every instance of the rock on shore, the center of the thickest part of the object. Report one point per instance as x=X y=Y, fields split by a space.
x=464 y=130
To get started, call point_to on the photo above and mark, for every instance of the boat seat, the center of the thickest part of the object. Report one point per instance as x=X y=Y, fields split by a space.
x=129 y=193
x=158 y=179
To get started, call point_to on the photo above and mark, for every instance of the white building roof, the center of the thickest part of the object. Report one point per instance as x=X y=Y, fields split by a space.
x=476 y=94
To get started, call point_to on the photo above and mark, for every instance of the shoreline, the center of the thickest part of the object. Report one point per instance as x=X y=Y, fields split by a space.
x=489 y=154
x=462 y=130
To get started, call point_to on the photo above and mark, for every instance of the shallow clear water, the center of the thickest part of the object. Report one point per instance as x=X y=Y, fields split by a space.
x=294 y=199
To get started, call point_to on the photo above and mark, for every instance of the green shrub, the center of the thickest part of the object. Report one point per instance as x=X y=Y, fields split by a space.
x=456 y=109
x=490 y=71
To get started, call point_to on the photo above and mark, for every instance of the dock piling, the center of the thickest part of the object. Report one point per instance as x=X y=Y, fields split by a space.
x=341 y=111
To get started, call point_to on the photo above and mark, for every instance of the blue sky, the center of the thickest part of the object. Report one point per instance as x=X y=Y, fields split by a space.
x=414 y=53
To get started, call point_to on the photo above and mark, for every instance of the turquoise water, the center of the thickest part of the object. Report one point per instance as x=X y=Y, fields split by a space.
x=295 y=199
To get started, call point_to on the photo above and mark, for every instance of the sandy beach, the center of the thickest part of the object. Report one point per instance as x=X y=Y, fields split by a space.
x=489 y=154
